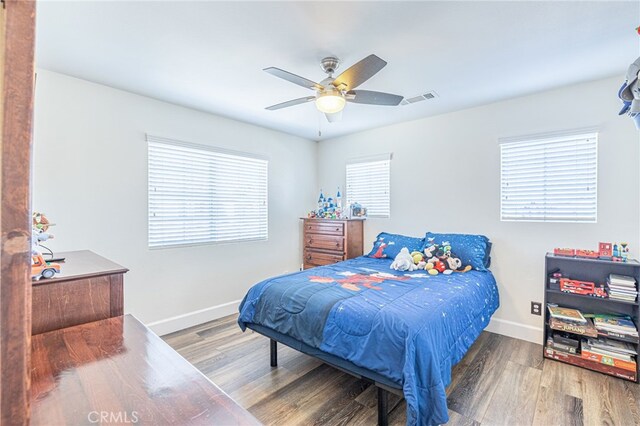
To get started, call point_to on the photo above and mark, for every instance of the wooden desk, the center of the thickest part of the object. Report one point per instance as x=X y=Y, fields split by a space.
x=119 y=367
x=89 y=288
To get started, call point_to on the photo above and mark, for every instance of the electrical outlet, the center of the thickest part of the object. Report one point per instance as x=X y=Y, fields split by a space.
x=536 y=308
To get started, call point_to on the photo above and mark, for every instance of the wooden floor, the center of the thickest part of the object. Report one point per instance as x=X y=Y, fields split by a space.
x=500 y=381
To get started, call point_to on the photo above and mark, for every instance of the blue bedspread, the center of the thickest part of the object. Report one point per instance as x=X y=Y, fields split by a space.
x=407 y=326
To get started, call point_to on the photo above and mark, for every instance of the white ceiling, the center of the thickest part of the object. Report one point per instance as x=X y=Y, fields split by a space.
x=210 y=55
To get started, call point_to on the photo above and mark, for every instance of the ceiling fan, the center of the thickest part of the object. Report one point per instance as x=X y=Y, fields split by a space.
x=333 y=93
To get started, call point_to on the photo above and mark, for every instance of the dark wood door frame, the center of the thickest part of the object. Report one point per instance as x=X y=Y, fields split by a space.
x=16 y=108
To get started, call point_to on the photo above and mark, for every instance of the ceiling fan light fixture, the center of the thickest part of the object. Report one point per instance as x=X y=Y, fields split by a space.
x=330 y=102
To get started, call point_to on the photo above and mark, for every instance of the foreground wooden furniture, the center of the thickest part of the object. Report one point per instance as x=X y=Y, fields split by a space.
x=117 y=371
x=328 y=241
x=89 y=288
x=17 y=46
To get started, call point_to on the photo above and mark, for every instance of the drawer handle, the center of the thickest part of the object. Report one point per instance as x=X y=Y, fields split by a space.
x=310 y=241
x=337 y=229
x=309 y=257
x=337 y=244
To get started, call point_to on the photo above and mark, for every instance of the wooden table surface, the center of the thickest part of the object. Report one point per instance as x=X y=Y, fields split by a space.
x=116 y=371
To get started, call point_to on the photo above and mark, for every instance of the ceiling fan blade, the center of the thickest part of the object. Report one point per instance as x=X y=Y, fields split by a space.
x=360 y=72
x=291 y=103
x=295 y=79
x=373 y=98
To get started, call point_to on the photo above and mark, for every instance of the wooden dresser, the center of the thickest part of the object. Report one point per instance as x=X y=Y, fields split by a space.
x=89 y=288
x=328 y=241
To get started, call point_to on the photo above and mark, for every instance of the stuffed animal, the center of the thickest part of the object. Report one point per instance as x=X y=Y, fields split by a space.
x=455 y=264
x=403 y=261
x=430 y=252
x=444 y=261
x=418 y=259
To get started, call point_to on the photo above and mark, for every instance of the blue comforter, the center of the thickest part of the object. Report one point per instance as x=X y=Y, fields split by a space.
x=410 y=327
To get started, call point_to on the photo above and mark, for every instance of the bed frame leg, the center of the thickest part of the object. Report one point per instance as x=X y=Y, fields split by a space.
x=274 y=353
x=383 y=407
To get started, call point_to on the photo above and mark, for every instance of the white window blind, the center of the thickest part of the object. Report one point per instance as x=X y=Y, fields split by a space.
x=551 y=179
x=368 y=183
x=199 y=194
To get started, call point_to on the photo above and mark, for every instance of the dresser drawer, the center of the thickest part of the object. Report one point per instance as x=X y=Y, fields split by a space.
x=327 y=228
x=316 y=258
x=325 y=242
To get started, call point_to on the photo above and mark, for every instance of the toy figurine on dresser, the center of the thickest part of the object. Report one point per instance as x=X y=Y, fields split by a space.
x=329 y=208
x=40 y=268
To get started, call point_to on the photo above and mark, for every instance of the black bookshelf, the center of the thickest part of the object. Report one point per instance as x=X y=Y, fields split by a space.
x=594 y=270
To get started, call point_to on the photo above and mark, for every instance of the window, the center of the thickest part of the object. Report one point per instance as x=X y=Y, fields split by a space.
x=368 y=183
x=550 y=180
x=199 y=194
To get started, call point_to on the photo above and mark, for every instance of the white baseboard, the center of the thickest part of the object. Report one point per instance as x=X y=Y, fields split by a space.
x=180 y=322
x=516 y=330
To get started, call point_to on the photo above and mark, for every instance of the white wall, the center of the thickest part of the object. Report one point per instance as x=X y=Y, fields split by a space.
x=445 y=177
x=90 y=178
x=90 y=165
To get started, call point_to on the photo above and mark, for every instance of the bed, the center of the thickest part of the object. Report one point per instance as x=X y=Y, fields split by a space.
x=403 y=331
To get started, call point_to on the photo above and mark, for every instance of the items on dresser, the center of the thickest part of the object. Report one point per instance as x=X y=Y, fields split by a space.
x=89 y=288
x=328 y=241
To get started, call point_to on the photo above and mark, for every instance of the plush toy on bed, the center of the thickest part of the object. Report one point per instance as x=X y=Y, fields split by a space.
x=440 y=259
x=454 y=264
x=403 y=261
x=418 y=259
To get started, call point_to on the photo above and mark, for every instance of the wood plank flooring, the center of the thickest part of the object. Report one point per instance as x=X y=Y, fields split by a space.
x=501 y=381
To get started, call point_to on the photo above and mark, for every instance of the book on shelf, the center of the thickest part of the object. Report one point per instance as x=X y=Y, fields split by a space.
x=621 y=292
x=610 y=346
x=618 y=324
x=620 y=336
x=590 y=364
x=566 y=314
x=627 y=299
x=614 y=360
x=587 y=329
x=620 y=287
x=622 y=280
